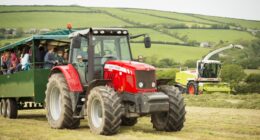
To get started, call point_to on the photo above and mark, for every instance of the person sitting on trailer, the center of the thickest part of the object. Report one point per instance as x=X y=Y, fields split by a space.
x=3 y=63
x=60 y=58
x=25 y=59
x=50 y=59
x=13 y=63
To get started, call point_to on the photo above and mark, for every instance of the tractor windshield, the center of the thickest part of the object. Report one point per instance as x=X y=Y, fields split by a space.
x=111 y=47
x=209 y=70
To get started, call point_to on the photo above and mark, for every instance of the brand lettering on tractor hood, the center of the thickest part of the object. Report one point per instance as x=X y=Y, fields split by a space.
x=111 y=67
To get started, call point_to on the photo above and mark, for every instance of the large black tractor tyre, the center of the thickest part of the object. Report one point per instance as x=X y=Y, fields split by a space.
x=192 y=88
x=174 y=119
x=58 y=103
x=128 y=121
x=104 y=111
x=11 y=108
x=3 y=107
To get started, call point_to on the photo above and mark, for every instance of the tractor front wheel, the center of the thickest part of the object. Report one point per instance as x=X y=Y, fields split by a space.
x=104 y=111
x=59 y=104
x=173 y=120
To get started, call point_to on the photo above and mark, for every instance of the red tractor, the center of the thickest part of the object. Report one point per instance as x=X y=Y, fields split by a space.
x=102 y=83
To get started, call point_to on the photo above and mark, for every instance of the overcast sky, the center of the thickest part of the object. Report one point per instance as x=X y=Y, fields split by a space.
x=245 y=9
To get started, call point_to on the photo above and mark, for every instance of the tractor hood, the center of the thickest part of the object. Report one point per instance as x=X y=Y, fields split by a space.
x=132 y=65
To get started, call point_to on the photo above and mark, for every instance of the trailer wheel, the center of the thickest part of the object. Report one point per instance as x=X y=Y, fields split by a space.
x=128 y=121
x=59 y=104
x=3 y=107
x=0 y=108
x=174 y=119
x=11 y=108
x=192 y=88
x=104 y=110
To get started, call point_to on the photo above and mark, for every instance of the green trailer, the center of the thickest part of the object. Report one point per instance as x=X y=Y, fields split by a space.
x=26 y=89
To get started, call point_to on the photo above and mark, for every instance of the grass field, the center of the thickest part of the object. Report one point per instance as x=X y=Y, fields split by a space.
x=241 y=22
x=202 y=123
x=143 y=18
x=155 y=35
x=249 y=71
x=214 y=35
x=178 y=53
x=174 y=15
x=46 y=20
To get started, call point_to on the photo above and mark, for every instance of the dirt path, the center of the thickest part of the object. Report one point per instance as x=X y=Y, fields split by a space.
x=201 y=123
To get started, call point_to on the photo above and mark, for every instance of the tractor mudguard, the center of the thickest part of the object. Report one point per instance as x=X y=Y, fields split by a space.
x=71 y=75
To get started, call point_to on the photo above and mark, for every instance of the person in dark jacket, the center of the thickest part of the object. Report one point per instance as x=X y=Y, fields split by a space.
x=50 y=59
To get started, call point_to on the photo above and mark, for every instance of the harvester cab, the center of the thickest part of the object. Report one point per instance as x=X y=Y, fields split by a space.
x=206 y=77
x=102 y=82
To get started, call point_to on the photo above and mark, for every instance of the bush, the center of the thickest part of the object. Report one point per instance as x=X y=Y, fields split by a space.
x=248 y=87
x=253 y=78
x=167 y=74
x=190 y=63
x=232 y=74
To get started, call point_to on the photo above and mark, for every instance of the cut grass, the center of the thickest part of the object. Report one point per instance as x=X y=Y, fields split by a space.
x=222 y=100
x=211 y=35
x=201 y=123
x=57 y=20
x=178 y=53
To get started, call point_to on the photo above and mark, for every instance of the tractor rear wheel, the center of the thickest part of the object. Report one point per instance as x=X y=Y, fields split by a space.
x=3 y=107
x=59 y=103
x=128 y=121
x=173 y=120
x=11 y=108
x=104 y=110
x=192 y=88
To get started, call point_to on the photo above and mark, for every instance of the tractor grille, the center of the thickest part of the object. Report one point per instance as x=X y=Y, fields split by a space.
x=147 y=77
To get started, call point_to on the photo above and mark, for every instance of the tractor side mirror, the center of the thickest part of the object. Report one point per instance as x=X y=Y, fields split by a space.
x=147 y=42
x=76 y=42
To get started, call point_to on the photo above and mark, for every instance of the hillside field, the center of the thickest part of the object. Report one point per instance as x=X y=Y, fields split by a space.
x=165 y=28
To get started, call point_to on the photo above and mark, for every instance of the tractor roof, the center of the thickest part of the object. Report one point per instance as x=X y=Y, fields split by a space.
x=100 y=31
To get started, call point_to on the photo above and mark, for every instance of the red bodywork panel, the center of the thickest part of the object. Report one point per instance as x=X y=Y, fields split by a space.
x=122 y=74
x=72 y=77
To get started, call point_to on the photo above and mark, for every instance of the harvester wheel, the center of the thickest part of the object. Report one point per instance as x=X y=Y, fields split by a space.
x=104 y=110
x=11 y=108
x=128 y=121
x=3 y=107
x=59 y=104
x=192 y=88
x=174 y=119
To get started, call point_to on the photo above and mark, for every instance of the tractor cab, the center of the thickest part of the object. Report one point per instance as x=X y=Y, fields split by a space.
x=91 y=48
x=209 y=69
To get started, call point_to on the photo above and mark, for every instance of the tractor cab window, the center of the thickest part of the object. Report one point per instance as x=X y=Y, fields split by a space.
x=111 y=48
x=209 y=70
x=81 y=51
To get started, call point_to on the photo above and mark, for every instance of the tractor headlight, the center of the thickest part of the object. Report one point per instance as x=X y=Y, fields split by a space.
x=141 y=84
x=153 y=84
